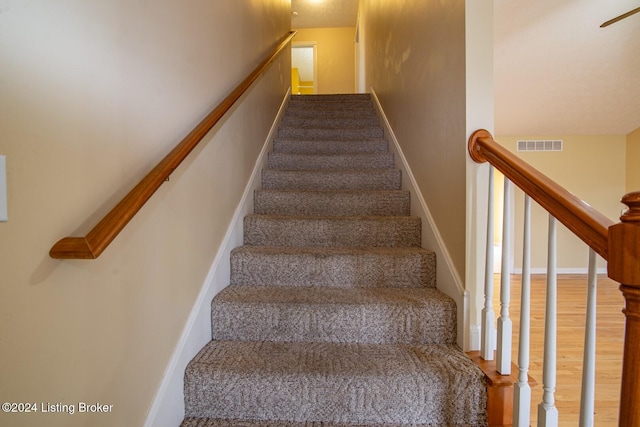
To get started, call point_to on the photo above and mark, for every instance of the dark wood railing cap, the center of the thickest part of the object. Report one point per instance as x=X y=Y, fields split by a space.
x=474 y=148
x=624 y=244
x=632 y=214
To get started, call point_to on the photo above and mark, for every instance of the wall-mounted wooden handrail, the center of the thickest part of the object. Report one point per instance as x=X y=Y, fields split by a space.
x=584 y=221
x=97 y=240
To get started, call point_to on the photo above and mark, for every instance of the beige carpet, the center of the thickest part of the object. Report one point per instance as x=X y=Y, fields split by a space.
x=332 y=316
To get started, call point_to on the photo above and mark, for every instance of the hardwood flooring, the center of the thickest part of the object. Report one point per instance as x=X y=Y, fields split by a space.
x=570 y=344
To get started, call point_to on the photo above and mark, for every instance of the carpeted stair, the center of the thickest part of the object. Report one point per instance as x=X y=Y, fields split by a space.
x=332 y=316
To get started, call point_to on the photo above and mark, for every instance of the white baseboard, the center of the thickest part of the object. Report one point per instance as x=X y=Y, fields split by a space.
x=448 y=279
x=543 y=270
x=497 y=257
x=167 y=408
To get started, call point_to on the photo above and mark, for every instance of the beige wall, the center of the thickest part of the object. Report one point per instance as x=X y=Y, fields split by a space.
x=633 y=161
x=592 y=168
x=415 y=62
x=92 y=94
x=335 y=57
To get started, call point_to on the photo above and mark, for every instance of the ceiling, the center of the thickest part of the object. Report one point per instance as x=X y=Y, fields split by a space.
x=556 y=72
x=323 y=13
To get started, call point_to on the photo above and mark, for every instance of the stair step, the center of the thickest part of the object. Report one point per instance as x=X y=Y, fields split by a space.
x=333 y=267
x=328 y=104
x=332 y=203
x=377 y=231
x=380 y=179
x=355 y=112
x=329 y=122
x=323 y=146
x=326 y=314
x=332 y=97
x=290 y=161
x=217 y=422
x=436 y=385
x=331 y=133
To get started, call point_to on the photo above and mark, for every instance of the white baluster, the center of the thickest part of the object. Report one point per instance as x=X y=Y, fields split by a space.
x=547 y=411
x=488 y=316
x=522 y=390
x=589 y=363
x=503 y=356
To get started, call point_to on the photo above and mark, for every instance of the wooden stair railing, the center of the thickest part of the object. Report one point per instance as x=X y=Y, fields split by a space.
x=618 y=243
x=97 y=240
x=584 y=221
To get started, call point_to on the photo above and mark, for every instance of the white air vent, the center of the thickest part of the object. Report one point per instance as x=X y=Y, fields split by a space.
x=540 y=145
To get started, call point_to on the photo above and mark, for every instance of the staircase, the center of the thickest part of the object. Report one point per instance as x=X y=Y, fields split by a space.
x=332 y=316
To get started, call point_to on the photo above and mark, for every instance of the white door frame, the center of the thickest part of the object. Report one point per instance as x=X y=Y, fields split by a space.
x=313 y=45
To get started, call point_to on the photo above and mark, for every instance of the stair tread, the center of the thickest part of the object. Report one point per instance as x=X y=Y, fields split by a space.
x=354 y=171
x=341 y=121
x=332 y=125
x=331 y=314
x=324 y=96
x=375 y=218
x=335 y=101
x=398 y=267
x=323 y=295
x=296 y=381
x=334 y=155
x=332 y=202
x=320 y=146
x=300 y=358
x=363 y=179
x=330 y=161
x=332 y=231
x=217 y=422
x=334 y=192
x=330 y=104
x=344 y=141
x=363 y=111
x=347 y=250
x=338 y=133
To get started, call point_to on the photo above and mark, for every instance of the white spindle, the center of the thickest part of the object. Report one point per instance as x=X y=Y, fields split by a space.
x=522 y=390
x=503 y=356
x=547 y=411
x=589 y=362
x=488 y=316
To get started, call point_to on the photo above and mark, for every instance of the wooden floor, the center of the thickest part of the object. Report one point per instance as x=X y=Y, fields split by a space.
x=570 y=344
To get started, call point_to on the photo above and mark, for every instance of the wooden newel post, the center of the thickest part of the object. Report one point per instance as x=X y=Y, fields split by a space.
x=624 y=267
